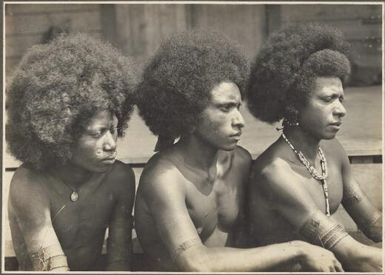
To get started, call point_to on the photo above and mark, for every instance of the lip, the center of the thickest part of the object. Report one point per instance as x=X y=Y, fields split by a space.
x=109 y=159
x=336 y=125
x=236 y=136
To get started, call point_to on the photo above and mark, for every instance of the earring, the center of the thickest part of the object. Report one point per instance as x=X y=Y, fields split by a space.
x=288 y=123
x=292 y=123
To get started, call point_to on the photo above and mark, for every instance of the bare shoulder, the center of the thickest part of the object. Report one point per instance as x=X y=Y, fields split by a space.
x=161 y=177
x=272 y=170
x=26 y=184
x=122 y=176
x=28 y=196
x=242 y=157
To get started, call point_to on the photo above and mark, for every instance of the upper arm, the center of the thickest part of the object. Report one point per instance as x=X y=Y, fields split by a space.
x=357 y=204
x=282 y=189
x=29 y=210
x=165 y=196
x=119 y=248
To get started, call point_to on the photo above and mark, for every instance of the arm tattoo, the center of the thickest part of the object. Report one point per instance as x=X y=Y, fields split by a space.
x=323 y=231
x=184 y=246
x=49 y=258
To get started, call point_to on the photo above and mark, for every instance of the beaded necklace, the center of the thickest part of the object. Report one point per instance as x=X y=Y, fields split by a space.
x=313 y=172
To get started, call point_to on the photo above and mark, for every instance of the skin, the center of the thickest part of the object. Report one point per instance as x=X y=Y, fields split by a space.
x=41 y=212
x=284 y=195
x=195 y=191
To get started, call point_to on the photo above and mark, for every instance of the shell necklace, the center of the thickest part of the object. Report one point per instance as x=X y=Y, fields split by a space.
x=313 y=172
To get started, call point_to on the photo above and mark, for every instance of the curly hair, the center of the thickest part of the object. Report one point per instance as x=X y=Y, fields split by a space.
x=283 y=73
x=177 y=82
x=56 y=90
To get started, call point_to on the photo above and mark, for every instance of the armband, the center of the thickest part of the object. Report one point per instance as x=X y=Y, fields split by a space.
x=323 y=231
x=184 y=246
x=49 y=259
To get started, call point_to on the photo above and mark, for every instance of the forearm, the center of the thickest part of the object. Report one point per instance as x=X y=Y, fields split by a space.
x=373 y=228
x=358 y=257
x=119 y=255
x=285 y=256
x=50 y=258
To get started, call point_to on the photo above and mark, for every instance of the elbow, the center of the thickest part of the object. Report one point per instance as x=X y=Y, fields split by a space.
x=194 y=262
x=194 y=265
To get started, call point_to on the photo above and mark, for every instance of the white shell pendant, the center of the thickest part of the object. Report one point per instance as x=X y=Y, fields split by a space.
x=74 y=196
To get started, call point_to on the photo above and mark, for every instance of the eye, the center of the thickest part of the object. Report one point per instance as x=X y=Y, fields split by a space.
x=225 y=108
x=341 y=99
x=327 y=98
x=96 y=134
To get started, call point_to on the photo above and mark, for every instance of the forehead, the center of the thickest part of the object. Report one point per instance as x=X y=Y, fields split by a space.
x=225 y=91
x=327 y=85
x=102 y=118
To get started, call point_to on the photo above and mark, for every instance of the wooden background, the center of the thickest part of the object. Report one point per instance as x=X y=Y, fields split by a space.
x=137 y=30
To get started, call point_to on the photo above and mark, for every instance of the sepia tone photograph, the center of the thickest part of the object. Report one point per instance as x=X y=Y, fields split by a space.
x=192 y=136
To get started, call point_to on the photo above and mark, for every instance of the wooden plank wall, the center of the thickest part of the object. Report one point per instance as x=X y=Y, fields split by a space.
x=361 y=25
x=141 y=28
x=27 y=24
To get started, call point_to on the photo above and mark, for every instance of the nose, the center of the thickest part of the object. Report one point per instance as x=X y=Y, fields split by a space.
x=339 y=109
x=238 y=120
x=109 y=142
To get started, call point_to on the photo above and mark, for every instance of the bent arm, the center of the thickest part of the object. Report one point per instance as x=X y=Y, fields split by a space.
x=294 y=203
x=119 y=243
x=367 y=217
x=31 y=225
x=179 y=235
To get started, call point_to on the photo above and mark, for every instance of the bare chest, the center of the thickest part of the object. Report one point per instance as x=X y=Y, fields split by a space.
x=217 y=207
x=83 y=222
x=333 y=185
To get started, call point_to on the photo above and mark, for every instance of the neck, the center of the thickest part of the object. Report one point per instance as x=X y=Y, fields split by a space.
x=303 y=141
x=72 y=175
x=201 y=154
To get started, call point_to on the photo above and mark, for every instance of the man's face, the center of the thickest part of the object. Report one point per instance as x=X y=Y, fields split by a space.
x=96 y=148
x=221 y=122
x=322 y=115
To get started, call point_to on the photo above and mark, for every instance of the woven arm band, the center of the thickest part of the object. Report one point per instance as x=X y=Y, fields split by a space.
x=323 y=231
x=50 y=258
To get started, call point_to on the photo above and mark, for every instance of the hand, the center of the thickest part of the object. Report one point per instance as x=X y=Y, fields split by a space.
x=371 y=262
x=318 y=259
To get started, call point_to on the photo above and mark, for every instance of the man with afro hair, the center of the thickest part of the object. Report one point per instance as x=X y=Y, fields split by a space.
x=298 y=183
x=188 y=212
x=67 y=103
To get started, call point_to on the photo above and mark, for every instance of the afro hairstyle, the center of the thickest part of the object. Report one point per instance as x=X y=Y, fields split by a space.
x=177 y=81
x=283 y=73
x=57 y=88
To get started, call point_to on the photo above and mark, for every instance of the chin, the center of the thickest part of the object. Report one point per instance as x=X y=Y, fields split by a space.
x=229 y=147
x=100 y=168
x=329 y=136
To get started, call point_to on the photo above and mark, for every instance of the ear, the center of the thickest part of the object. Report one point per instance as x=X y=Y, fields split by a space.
x=291 y=113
